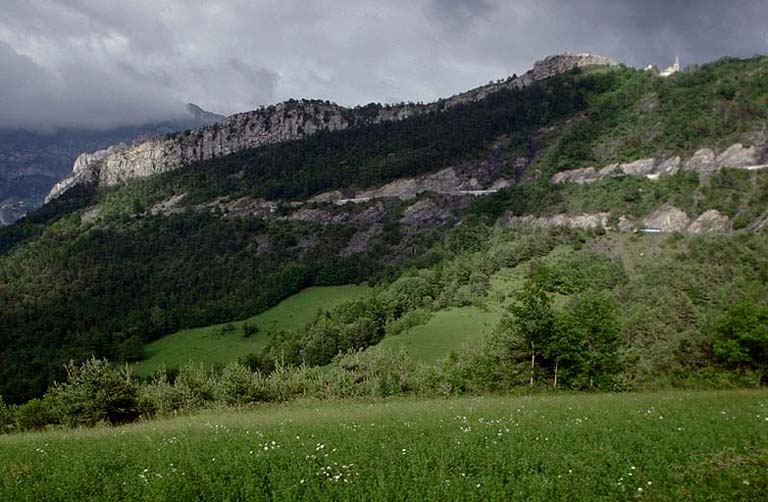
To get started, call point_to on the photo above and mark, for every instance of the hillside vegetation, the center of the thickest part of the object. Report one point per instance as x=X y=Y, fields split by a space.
x=223 y=343
x=100 y=273
x=662 y=446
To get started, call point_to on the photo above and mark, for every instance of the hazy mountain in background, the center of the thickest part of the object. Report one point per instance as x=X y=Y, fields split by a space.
x=31 y=161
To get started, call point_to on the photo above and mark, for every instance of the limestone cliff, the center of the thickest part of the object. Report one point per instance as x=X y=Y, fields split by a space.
x=278 y=123
x=704 y=161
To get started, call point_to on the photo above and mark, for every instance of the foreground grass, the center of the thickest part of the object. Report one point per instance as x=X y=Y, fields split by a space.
x=209 y=345
x=661 y=446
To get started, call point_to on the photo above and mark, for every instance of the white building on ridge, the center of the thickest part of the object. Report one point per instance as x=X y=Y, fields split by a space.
x=672 y=69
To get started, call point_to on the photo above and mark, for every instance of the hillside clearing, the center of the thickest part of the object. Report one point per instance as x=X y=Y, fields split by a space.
x=447 y=330
x=216 y=344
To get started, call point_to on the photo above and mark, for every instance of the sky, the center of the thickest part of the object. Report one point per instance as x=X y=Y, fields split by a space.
x=101 y=63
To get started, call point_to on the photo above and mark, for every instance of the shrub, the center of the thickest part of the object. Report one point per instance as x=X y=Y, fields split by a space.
x=501 y=362
x=578 y=272
x=6 y=418
x=408 y=293
x=385 y=372
x=132 y=349
x=227 y=328
x=533 y=322
x=742 y=338
x=249 y=330
x=585 y=346
x=260 y=362
x=160 y=396
x=286 y=383
x=35 y=414
x=96 y=392
x=410 y=320
x=239 y=385
x=196 y=387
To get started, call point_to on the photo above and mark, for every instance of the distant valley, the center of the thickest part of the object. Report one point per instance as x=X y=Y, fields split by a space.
x=32 y=162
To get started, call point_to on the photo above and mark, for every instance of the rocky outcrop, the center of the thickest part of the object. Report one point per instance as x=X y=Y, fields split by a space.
x=760 y=225
x=283 y=122
x=287 y=121
x=11 y=211
x=704 y=161
x=428 y=212
x=544 y=69
x=666 y=219
x=555 y=65
x=443 y=181
x=711 y=222
x=583 y=221
x=740 y=156
x=360 y=241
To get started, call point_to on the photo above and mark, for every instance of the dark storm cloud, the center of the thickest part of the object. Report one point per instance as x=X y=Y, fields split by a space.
x=653 y=31
x=77 y=95
x=459 y=13
x=100 y=63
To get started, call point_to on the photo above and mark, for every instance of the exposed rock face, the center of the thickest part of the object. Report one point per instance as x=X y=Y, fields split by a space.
x=375 y=214
x=555 y=65
x=279 y=123
x=169 y=206
x=583 y=221
x=667 y=219
x=10 y=211
x=760 y=225
x=704 y=161
x=443 y=181
x=739 y=156
x=359 y=242
x=580 y=176
x=31 y=162
x=282 y=122
x=427 y=213
x=711 y=222
x=669 y=166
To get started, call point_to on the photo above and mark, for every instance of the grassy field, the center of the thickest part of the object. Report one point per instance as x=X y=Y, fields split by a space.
x=210 y=345
x=660 y=446
x=453 y=328
x=447 y=330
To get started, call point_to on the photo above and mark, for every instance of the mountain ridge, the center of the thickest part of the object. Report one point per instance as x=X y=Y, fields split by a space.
x=104 y=271
x=282 y=122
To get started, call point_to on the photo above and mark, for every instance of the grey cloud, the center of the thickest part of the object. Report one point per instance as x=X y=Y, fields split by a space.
x=77 y=95
x=101 y=63
x=457 y=14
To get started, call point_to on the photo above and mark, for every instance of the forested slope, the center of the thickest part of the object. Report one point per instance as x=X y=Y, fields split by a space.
x=97 y=271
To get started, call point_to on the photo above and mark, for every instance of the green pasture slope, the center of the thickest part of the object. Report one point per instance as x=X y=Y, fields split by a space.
x=451 y=329
x=448 y=330
x=213 y=344
x=658 y=446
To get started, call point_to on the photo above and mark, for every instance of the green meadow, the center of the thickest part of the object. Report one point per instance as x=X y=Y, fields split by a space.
x=224 y=343
x=447 y=330
x=657 y=446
